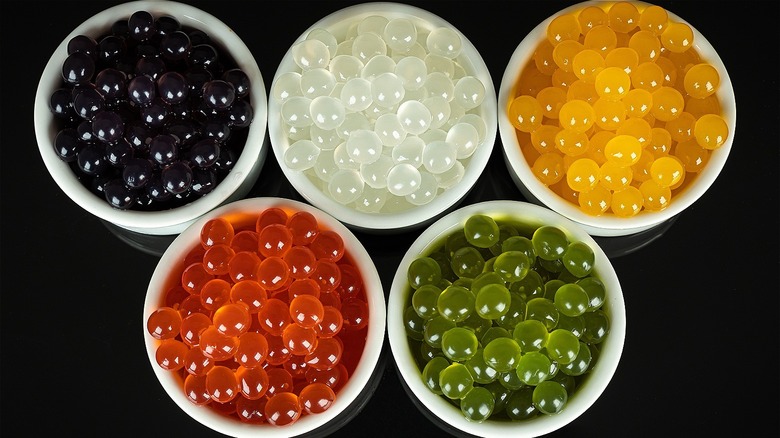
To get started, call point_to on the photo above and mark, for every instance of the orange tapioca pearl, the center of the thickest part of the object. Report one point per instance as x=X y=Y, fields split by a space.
x=563 y=79
x=564 y=27
x=615 y=177
x=668 y=104
x=647 y=76
x=701 y=80
x=625 y=58
x=666 y=171
x=590 y=17
x=586 y=64
x=577 y=115
x=525 y=113
x=572 y=143
x=548 y=168
x=623 y=17
x=683 y=61
x=681 y=128
x=641 y=170
x=660 y=142
x=654 y=19
x=677 y=37
x=596 y=201
x=669 y=69
x=638 y=128
x=596 y=146
x=581 y=90
x=711 y=131
x=646 y=45
x=532 y=81
x=609 y=114
x=564 y=53
x=623 y=150
x=627 y=202
x=701 y=107
x=693 y=156
x=583 y=175
x=543 y=58
x=562 y=189
x=655 y=197
x=543 y=138
x=601 y=38
x=638 y=103
x=612 y=83
x=551 y=99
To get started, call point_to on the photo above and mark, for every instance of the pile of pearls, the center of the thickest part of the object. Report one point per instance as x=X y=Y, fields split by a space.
x=383 y=119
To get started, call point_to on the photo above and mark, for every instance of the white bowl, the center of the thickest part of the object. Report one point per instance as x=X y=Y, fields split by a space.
x=608 y=224
x=235 y=186
x=339 y=24
x=362 y=382
x=598 y=378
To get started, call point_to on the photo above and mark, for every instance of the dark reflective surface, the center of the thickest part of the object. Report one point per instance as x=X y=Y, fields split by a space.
x=73 y=287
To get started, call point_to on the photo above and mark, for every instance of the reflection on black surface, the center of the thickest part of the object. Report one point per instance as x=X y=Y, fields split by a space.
x=148 y=243
x=619 y=246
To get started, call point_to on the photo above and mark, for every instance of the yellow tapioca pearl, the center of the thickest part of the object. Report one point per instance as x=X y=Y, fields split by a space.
x=623 y=150
x=563 y=79
x=660 y=142
x=532 y=81
x=638 y=103
x=551 y=99
x=548 y=168
x=647 y=76
x=625 y=58
x=677 y=37
x=669 y=69
x=646 y=45
x=601 y=38
x=543 y=138
x=693 y=156
x=562 y=189
x=563 y=53
x=613 y=83
x=596 y=147
x=641 y=170
x=565 y=27
x=583 y=175
x=627 y=202
x=591 y=17
x=577 y=115
x=681 y=128
x=666 y=171
x=655 y=19
x=701 y=80
x=596 y=201
x=701 y=107
x=615 y=177
x=581 y=90
x=543 y=58
x=587 y=64
x=711 y=131
x=655 y=197
x=609 y=114
x=668 y=104
x=637 y=128
x=525 y=113
x=571 y=142
x=623 y=17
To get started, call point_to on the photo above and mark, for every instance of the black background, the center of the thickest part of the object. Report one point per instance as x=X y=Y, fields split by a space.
x=701 y=350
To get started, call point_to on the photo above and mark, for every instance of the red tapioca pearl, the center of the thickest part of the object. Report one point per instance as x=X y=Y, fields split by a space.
x=306 y=310
x=215 y=293
x=216 y=259
x=195 y=389
x=252 y=382
x=164 y=323
x=217 y=345
x=192 y=305
x=269 y=216
x=331 y=322
x=175 y=295
x=221 y=384
x=252 y=350
x=300 y=260
x=194 y=277
x=328 y=244
x=351 y=281
x=251 y=411
x=274 y=316
x=326 y=355
x=316 y=398
x=331 y=298
x=191 y=328
x=274 y=240
x=303 y=226
x=278 y=353
x=299 y=340
x=282 y=409
x=279 y=381
x=232 y=319
x=272 y=273
x=243 y=266
x=245 y=240
x=305 y=286
x=197 y=363
x=215 y=231
x=297 y=367
x=355 y=313
x=327 y=274
x=250 y=293
x=170 y=354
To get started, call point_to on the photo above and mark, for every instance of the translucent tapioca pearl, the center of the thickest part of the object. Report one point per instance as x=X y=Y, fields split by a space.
x=195 y=389
x=469 y=92
x=638 y=128
x=660 y=142
x=596 y=146
x=612 y=83
x=692 y=155
x=306 y=311
x=327 y=112
x=328 y=245
x=325 y=166
x=623 y=150
x=301 y=155
x=444 y=41
x=427 y=190
x=681 y=128
x=439 y=156
x=194 y=277
x=581 y=90
x=656 y=198
x=274 y=316
x=701 y=80
x=615 y=177
x=243 y=266
x=412 y=71
x=571 y=142
x=310 y=53
x=215 y=293
x=543 y=58
x=371 y=200
x=638 y=103
x=342 y=159
x=627 y=202
x=596 y=201
x=274 y=240
x=216 y=231
x=372 y=24
x=564 y=27
x=249 y=293
x=710 y=131
x=164 y=323
x=677 y=37
x=647 y=76
x=465 y=138
x=623 y=17
x=295 y=111
x=270 y=216
x=282 y=408
x=273 y=273
x=654 y=19
x=666 y=171
x=387 y=90
x=299 y=340
x=532 y=80
x=414 y=117
x=403 y=179
x=641 y=170
x=375 y=174
x=377 y=65
x=548 y=168
x=316 y=398
x=624 y=58
x=324 y=139
x=345 y=186
x=583 y=175
x=303 y=226
x=303 y=286
x=364 y=146
x=196 y=363
x=586 y=64
x=345 y=67
x=252 y=382
x=439 y=64
x=577 y=115
x=216 y=345
x=326 y=37
x=191 y=327
x=543 y=138
x=217 y=257
x=170 y=354
x=295 y=133
x=356 y=94
x=389 y=129
x=526 y=113
x=563 y=79
x=646 y=45
x=601 y=39
x=563 y=54
x=668 y=104
x=437 y=84
x=701 y=107
x=440 y=110
x=432 y=135
x=590 y=17
x=232 y=319
x=409 y=151
x=317 y=82
x=609 y=114
x=367 y=45
x=551 y=99
x=400 y=34
x=345 y=47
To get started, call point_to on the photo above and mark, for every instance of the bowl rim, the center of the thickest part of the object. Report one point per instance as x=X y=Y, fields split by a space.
x=411 y=218
x=359 y=381
x=611 y=348
x=609 y=225
x=170 y=221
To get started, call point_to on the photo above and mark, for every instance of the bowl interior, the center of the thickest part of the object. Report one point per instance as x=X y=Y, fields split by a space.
x=244 y=213
x=608 y=224
x=610 y=349
x=339 y=24
x=173 y=221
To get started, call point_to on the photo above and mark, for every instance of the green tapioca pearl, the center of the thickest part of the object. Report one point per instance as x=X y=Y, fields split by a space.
x=512 y=265
x=515 y=313
x=476 y=323
x=551 y=287
x=510 y=380
x=413 y=324
x=455 y=303
x=597 y=292
x=434 y=329
x=574 y=324
x=455 y=381
x=492 y=301
x=425 y=299
x=596 y=326
x=550 y=397
x=427 y=352
x=502 y=354
x=467 y=262
x=454 y=242
x=562 y=346
x=533 y=368
x=529 y=287
x=520 y=404
x=520 y=243
x=480 y=370
x=544 y=310
x=500 y=395
x=444 y=264
x=478 y=404
x=549 y=242
x=459 y=344
x=423 y=270
x=580 y=364
x=571 y=299
x=505 y=232
x=484 y=279
x=481 y=231
x=530 y=335
x=578 y=259
x=432 y=372
x=494 y=332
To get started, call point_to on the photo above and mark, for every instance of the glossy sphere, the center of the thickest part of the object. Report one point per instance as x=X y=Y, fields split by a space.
x=283 y=408
x=316 y=398
x=164 y=323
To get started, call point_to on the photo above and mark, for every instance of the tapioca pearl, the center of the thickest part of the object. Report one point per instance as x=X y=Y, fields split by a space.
x=581 y=90
x=375 y=174
x=449 y=178
x=441 y=64
x=389 y=129
x=638 y=103
x=409 y=151
x=426 y=192
x=670 y=71
x=439 y=156
x=440 y=110
x=342 y=159
x=646 y=45
x=376 y=66
x=301 y=155
x=587 y=64
x=403 y=179
x=309 y=54
x=414 y=116
x=325 y=139
x=677 y=37
x=469 y=92
x=317 y=82
x=465 y=138
x=387 y=90
x=564 y=52
x=396 y=204
x=327 y=112
x=624 y=58
x=432 y=135
x=345 y=67
x=295 y=111
x=419 y=94
x=326 y=37
x=601 y=39
x=444 y=41
x=693 y=156
x=710 y=131
x=364 y=146
x=345 y=186
x=701 y=80
x=609 y=114
x=400 y=34
x=366 y=46
x=656 y=198
x=295 y=133
x=412 y=71
x=647 y=76
x=356 y=94
x=477 y=122
x=439 y=85
x=353 y=122
x=371 y=200
x=374 y=111
x=416 y=51
x=668 y=104
x=375 y=24
x=639 y=128
x=345 y=47
x=325 y=166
